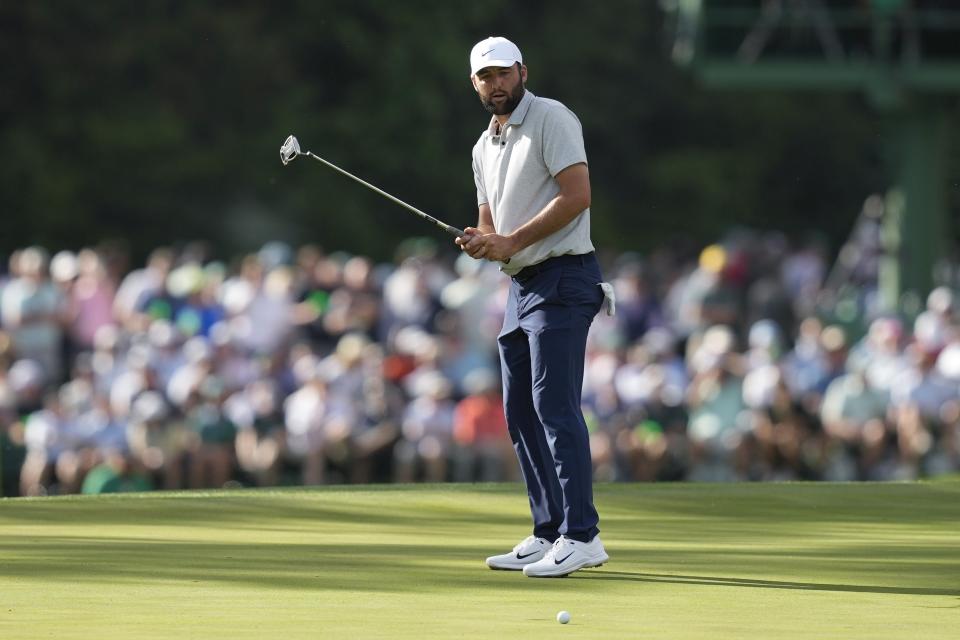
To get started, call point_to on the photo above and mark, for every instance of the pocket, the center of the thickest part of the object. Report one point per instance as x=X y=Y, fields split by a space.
x=578 y=287
x=542 y=289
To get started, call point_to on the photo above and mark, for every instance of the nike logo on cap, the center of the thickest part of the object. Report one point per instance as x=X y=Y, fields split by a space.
x=486 y=52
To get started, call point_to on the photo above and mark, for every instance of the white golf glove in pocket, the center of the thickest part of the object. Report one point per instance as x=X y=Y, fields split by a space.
x=609 y=298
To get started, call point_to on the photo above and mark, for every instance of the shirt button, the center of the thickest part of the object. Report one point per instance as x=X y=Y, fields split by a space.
x=503 y=144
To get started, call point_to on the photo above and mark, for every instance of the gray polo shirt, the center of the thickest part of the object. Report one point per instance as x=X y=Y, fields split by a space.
x=515 y=174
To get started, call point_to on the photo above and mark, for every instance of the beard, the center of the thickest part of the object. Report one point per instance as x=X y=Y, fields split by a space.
x=508 y=105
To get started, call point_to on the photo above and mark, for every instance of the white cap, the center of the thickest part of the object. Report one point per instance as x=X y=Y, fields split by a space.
x=494 y=52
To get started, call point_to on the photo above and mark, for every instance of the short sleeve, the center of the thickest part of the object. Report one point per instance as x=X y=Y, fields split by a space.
x=562 y=140
x=478 y=179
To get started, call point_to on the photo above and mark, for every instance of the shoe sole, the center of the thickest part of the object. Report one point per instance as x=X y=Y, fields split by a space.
x=509 y=567
x=566 y=573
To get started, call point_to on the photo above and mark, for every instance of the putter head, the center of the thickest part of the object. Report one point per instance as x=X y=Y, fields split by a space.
x=289 y=150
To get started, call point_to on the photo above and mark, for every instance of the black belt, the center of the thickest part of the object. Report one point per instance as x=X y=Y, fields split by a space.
x=528 y=272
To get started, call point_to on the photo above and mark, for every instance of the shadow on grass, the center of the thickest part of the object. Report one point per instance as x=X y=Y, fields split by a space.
x=235 y=510
x=382 y=567
x=434 y=538
x=373 y=566
x=720 y=581
x=803 y=503
x=724 y=506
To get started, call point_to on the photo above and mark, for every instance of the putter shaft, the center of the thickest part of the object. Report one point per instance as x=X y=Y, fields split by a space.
x=446 y=227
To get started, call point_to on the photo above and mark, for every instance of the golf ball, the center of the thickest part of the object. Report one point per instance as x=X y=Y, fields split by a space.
x=563 y=617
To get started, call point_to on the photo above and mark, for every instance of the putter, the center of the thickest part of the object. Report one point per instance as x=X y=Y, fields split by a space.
x=291 y=149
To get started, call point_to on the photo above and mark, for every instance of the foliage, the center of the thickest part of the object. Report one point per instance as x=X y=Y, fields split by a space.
x=160 y=121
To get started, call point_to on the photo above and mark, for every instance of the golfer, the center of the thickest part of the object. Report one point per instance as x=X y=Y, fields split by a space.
x=533 y=192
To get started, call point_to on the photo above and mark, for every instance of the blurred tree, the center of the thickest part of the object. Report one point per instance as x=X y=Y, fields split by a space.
x=161 y=121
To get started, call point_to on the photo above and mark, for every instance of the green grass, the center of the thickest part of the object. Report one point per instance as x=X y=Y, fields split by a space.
x=698 y=561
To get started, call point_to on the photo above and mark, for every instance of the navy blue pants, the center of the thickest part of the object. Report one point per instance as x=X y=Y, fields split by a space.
x=542 y=345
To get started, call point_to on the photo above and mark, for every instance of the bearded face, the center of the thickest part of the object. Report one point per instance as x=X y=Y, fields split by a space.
x=500 y=88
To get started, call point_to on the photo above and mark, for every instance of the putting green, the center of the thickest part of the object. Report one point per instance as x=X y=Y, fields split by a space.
x=687 y=560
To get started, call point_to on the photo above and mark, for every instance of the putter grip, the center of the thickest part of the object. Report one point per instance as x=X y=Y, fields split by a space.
x=457 y=233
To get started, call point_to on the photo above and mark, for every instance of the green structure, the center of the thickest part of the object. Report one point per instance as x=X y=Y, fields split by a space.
x=903 y=55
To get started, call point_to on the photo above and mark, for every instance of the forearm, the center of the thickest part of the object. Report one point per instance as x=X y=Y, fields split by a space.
x=556 y=215
x=572 y=199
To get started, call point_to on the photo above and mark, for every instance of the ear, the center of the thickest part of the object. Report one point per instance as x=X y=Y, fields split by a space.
x=523 y=73
x=473 y=81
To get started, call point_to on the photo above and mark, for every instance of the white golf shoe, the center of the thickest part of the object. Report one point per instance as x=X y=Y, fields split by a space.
x=529 y=550
x=566 y=556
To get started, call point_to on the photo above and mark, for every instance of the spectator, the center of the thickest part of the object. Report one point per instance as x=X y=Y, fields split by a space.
x=141 y=286
x=376 y=429
x=315 y=421
x=261 y=307
x=638 y=310
x=90 y=298
x=789 y=446
x=933 y=326
x=294 y=368
x=79 y=436
x=115 y=475
x=12 y=446
x=705 y=297
x=318 y=278
x=653 y=442
x=427 y=431
x=42 y=437
x=355 y=306
x=484 y=450
x=256 y=412
x=854 y=416
x=469 y=297
x=157 y=445
x=924 y=406
x=717 y=428
x=880 y=353
x=408 y=298
x=32 y=311
x=194 y=289
x=802 y=273
x=211 y=435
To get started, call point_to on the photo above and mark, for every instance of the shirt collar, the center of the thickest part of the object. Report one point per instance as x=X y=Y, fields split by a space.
x=516 y=118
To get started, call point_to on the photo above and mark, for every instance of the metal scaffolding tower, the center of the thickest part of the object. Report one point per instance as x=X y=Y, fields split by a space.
x=903 y=55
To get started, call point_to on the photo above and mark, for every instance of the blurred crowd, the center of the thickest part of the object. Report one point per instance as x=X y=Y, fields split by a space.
x=291 y=365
